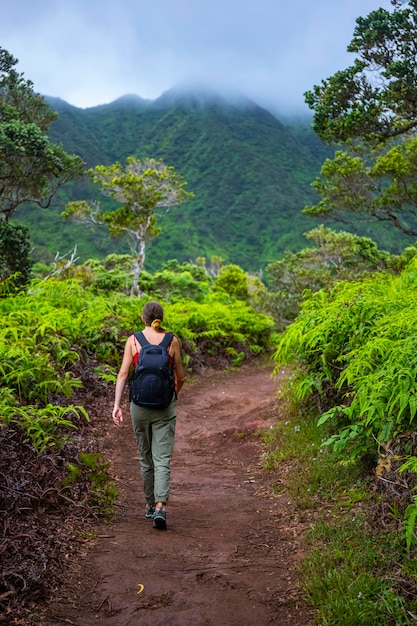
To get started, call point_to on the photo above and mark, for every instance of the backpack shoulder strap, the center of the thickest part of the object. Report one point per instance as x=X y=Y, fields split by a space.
x=140 y=337
x=168 y=337
x=167 y=340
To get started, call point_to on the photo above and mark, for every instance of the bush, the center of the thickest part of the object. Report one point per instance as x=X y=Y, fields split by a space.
x=356 y=352
x=14 y=253
x=232 y=280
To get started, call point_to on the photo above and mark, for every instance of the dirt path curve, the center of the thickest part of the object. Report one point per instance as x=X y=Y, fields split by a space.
x=229 y=553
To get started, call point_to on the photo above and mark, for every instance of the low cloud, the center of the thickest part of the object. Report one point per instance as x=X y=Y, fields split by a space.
x=89 y=53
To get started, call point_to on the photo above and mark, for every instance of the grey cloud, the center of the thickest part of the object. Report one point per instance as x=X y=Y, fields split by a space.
x=93 y=52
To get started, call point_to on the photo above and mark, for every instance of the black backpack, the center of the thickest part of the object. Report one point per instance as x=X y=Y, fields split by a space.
x=152 y=384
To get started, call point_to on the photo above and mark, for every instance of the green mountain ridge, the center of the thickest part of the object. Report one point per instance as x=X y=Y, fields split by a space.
x=250 y=173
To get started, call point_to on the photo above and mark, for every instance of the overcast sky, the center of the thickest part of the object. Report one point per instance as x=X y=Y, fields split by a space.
x=91 y=52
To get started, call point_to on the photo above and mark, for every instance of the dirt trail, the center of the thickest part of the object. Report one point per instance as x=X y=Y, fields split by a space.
x=229 y=554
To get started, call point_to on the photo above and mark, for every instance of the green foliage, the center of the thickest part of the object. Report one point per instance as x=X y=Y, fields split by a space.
x=14 y=253
x=368 y=106
x=45 y=335
x=368 y=368
x=375 y=98
x=213 y=330
x=410 y=514
x=246 y=215
x=317 y=475
x=353 y=576
x=45 y=338
x=140 y=187
x=355 y=348
x=33 y=352
x=176 y=281
x=375 y=185
x=354 y=569
x=31 y=167
x=239 y=211
x=335 y=256
x=45 y=426
x=50 y=334
x=410 y=519
x=114 y=273
x=233 y=281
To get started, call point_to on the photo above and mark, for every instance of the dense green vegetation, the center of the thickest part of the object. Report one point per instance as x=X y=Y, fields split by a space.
x=61 y=320
x=251 y=176
x=15 y=253
x=335 y=256
x=140 y=187
x=356 y=569
x=32 y=168
x=371 y=108
x=347 y=433
x=356 y=348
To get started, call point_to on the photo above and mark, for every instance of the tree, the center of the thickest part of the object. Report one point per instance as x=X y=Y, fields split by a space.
x=335 y=256
x=214 y=266
x=141 y=187
x=14 y=253
x=31 y=167
x=372 y=108
x=375 y=99
x=352 y=186
x=232 y=280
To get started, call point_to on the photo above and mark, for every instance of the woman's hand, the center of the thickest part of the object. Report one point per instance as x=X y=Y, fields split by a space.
x=117 y=416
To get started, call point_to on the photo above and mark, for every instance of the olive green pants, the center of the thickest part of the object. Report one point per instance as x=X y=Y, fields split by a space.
x=154 y=430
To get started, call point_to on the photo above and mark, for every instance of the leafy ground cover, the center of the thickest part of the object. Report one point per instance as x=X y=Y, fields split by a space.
x=356 y=569
x=48 y=501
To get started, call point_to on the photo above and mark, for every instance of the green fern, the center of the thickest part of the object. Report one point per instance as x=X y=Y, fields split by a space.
x=356 y=348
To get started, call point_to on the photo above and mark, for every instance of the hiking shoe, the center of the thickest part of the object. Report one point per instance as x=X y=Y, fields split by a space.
x=149 y=511
x=160 y=518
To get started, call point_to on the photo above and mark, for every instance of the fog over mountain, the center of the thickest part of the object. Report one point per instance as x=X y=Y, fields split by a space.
x=192 y=93
x=90 y=53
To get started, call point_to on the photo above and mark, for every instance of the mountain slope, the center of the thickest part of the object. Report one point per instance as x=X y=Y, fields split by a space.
x=243 y=166
x=250 y=174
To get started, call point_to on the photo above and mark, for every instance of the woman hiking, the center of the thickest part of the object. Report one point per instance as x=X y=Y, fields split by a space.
x=154 y=428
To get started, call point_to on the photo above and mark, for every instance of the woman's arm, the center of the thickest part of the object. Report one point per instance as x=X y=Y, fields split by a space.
x=176 y=355
x=121 y=381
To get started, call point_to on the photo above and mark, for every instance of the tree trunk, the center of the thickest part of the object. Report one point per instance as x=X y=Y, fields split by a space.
x=138 y=253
